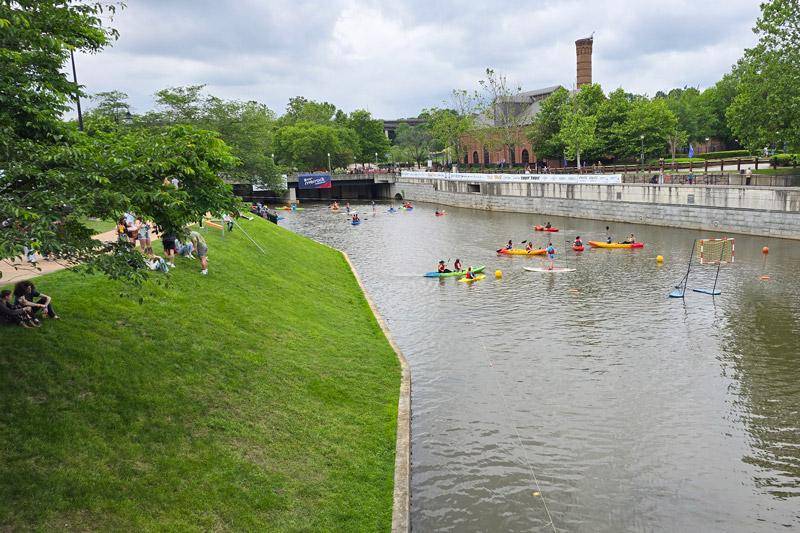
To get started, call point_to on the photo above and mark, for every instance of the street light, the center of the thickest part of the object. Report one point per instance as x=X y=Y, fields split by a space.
x=708 y=145
x=641 y=138
x=77 y=91
x=376 y=159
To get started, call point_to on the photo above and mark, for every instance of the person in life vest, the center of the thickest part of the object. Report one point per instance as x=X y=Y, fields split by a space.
x=510 y=245
x=578 y=242
x=529 y=247
x=457 y=265
x=355 y=218
x=551 y=255
x=630 y=240
x=443 y=268
x=469 y=274
x=548 y=225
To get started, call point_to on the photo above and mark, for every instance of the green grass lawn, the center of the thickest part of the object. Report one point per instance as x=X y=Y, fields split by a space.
x=99 y=226
x=260 y=397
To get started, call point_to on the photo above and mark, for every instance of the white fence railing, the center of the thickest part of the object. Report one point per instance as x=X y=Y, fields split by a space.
x=587 y=179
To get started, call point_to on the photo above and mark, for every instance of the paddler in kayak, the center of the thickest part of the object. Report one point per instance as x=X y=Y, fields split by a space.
x=442 y=269
x=457 y=265
x=469 y=274
x=630 y=240
x=548 y=225
x=578 y=242
x=608 y=235
x=529 y=247
x=551 y=254
x=355 y=218
x=510 y=245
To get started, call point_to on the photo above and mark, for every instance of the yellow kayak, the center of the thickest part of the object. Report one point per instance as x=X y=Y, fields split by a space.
x=476 y=278
x=598 y=244
x=520 y=251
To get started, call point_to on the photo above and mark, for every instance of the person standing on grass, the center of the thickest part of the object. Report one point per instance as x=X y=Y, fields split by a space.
x=168 y=242
x=228 y=220
x=201 y=249
x=144 y=236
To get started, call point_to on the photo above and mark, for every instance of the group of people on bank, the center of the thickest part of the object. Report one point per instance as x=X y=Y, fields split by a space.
x=27 y=305
x=134 y=230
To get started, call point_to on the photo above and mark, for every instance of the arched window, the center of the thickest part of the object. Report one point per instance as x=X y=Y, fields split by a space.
x=526 y=158
x=475 y=160
x=486 y=159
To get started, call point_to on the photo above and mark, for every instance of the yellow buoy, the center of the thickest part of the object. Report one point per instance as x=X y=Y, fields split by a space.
x=498 y=274
x=659 y=259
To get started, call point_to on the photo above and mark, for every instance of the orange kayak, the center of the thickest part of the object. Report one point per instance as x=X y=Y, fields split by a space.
x=598 y=244
x=542 y=228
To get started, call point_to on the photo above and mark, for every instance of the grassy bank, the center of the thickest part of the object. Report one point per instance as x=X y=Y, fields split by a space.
x=260 y=397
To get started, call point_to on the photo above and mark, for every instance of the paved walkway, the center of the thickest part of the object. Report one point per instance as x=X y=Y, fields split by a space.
x=25 y=270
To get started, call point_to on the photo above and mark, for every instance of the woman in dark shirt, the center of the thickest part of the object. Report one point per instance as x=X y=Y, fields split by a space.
x=25 y=295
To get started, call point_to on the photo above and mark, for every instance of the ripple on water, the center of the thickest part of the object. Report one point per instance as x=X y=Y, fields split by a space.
x=635 y=412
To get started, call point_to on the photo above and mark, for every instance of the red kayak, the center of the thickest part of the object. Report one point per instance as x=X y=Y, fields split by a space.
x=440 y=214
x=578 y=248
x=542 y=228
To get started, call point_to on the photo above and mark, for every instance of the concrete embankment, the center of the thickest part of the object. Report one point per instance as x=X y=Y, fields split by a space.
x=765 y=211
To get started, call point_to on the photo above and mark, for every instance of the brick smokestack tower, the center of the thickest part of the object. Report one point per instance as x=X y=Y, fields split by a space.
x=583 y=49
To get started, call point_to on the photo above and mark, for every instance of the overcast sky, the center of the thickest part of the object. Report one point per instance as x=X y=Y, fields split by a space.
x=395 y=58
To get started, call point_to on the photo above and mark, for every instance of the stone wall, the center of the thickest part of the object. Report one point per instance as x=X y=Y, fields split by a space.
x=766 y=211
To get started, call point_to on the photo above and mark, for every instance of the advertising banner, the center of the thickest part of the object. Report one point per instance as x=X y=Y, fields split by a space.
x=314 y=181
x=589 y=179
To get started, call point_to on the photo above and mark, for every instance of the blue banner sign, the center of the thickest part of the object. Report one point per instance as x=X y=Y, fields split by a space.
x=314 y=181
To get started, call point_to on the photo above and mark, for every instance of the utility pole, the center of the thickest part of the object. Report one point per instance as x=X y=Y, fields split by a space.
x=77 y=96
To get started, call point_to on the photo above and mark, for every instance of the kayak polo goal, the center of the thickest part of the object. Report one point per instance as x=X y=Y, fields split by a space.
x=710 y=252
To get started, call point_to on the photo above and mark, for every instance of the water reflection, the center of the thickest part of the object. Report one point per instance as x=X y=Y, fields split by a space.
x=633 y=411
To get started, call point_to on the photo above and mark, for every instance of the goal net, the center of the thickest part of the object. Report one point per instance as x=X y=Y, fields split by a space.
x=716 y=251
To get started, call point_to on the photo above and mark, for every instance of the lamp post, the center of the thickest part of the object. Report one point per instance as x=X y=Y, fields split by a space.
x=77 y=96
x=641 y=138
x=329 y=163
x=708 y=145
x=376 y=160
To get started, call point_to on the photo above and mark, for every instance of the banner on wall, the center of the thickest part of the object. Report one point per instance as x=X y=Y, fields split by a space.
x=314 y=181
x=586 y=179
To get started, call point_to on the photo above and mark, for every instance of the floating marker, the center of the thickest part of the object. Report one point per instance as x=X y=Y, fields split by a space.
x=765 y=250
x=765 y=278
x=659 y=259
x=498 y=274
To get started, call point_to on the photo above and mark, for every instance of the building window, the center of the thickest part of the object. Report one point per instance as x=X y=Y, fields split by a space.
x=486 y=159
x=526 y=158
x=475 y=160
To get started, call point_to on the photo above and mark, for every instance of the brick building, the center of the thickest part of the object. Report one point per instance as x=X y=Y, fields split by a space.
x=524 y=107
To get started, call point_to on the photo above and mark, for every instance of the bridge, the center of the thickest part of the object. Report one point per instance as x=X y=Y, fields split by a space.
x=359 y=186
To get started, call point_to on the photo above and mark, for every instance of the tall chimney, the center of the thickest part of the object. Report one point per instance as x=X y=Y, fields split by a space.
x=583 y=50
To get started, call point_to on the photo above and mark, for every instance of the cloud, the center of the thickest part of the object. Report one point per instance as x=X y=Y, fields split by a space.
x=396 y=58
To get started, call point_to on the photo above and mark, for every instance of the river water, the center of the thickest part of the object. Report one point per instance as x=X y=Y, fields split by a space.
x=587 y=397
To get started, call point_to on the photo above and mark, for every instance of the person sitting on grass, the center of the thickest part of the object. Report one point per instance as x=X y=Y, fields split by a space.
x=155 y=262
x=24 y=294
x=201 y=248
x=14 y=314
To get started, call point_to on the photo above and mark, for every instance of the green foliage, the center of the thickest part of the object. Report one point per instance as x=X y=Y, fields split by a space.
x=306 y=145
x=543 y=133
x=301 y=109
x=766 y=108
x=448 y=127
x=724 y=154
x=414 y=140
x=611 y=117
x=186 y=413
x=579 y=122
x=111 y=104
x=371 y=137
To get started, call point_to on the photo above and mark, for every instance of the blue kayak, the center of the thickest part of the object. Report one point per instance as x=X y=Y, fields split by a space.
x=355 y=222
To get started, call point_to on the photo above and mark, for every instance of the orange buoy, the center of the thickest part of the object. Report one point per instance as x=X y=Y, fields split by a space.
x=765 y=250
x=765 y=278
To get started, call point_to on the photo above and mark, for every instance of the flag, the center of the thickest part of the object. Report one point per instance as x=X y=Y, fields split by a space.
x=691 y=151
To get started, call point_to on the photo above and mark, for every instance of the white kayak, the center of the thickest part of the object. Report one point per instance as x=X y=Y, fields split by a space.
x=546 y=269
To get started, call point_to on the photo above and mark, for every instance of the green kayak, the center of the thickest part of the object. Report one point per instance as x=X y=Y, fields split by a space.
x=451 y=274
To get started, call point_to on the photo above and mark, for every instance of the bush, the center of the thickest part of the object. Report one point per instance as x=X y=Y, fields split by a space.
x=724 y=154
x=785 y=160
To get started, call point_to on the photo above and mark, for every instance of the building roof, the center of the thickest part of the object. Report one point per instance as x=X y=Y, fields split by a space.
x=524 y=106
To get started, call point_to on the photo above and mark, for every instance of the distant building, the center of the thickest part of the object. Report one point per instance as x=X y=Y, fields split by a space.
x=524 y=107
x=390 y=126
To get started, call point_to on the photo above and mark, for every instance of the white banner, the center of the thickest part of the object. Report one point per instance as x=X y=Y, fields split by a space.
x=587 y=179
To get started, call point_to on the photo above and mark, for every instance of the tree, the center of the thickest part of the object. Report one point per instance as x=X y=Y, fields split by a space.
x=611 y=118
x=113 y=104
x=651 y=119
x=766 y=108
x=306 y=145
x=578 y=127
x=414 y=140
x=301 y=109
x=544 y=131
x=181 y=105
x=675 y=139
x=371 y=137
x=51 y=175
x=504 y=108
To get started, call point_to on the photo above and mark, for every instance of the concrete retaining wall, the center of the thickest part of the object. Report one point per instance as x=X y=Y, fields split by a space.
x=765 y=211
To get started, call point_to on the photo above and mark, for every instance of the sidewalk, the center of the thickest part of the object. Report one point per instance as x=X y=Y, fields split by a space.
x=26 y=270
